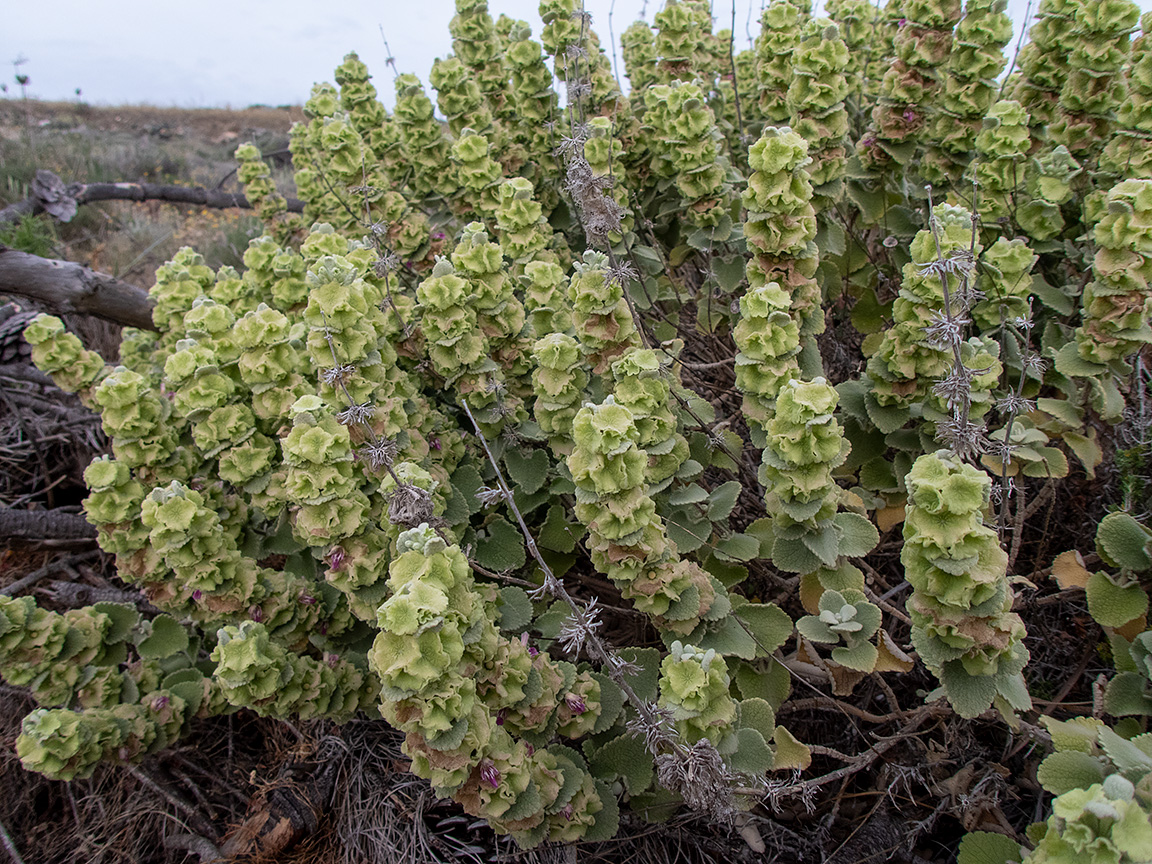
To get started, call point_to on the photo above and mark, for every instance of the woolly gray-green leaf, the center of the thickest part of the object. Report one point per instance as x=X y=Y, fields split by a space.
x=163 y=636
x=515 y=609
x=503 y=548
x=528 y=472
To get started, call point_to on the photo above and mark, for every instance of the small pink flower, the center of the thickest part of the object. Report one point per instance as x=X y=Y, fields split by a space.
x=197 y=594
x=531 y=749
x=501 y=716
x=160 y=703
x=489 y=774
x=256 y=614
x=575 y=704
x=568 y=812
x=333 y=661
x=902 y=23
x=336 y=558
x=323 y=628
x=434 y=443
x=868 y=142
x=307 y=599
x=909 y=116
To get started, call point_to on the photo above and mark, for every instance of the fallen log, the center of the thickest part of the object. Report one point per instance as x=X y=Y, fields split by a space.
x=64 y=286
x=43 y=525
x=49 y=194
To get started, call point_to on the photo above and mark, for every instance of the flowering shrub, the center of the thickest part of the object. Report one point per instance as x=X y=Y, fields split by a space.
x=489 y=374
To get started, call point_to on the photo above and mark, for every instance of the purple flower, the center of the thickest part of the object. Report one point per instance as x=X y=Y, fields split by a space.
x=489 y=774
x=909 y=116
x=575 y=704
x=568 y=811
x=307 y=599
x=197 y=594
x=160 y=703
x=336 y=558
x=256 y=614
x=434 y=443
x=333 y=661
x=501 y=716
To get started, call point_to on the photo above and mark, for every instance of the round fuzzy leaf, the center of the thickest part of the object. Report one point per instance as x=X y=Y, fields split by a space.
x=752 y=755
x=611 y=703
x=515 y=609
x=123 y=616
x=859 y=536
x=861 y=658
x=644 y=682
x=729 y=639
x=738 y=547
x=769 y=625
x=790 y=753
x=794 y=556
x=467 y=481
x=1126 y=696
x=625 y=757
x=1122 y=542
x=503 y=548
x=690 y=494
x=1069 y=571
x=757 y=714
x=722 y=499
x=772 y=683
x=528 y=473
x=969 y=695
x=984 y=847
x=607 y=820
x=557 y=533
x=1070 y=769
x=1113 y=606
x=163 y=637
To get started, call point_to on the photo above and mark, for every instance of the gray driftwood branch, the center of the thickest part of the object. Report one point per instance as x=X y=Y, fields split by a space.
x=64 y=286
x=43 y=525
x=49 y=194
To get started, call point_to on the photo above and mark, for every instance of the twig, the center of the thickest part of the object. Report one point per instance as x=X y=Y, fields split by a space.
x=195 y=820
x=9 y=846
x=47 y=570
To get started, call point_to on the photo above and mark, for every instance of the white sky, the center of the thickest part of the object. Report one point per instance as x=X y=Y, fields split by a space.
x=217 y=53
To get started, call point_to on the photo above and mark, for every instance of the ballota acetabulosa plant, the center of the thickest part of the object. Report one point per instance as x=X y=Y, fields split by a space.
x=489 y=348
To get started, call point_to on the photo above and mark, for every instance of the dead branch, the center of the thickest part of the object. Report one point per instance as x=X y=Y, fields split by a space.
x=50 y=195
x=47 y=570
x=64 y=286
x=43 y=525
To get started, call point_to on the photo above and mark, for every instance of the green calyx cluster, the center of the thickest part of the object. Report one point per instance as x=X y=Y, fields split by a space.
x=908 y=359
x=911 y=88
x=817 y=109
x=855 y=18
x=962 y=625
x=1094 y=86
x=1001 y=149
x=558 y=380
x=679 y=116
x=781 y=27
x=475 y=704
x=1116 y=303
x=969 y=79
x=255 y=672
x=1128 y=154
x=781 y=306
x=1043 y=61
x=64 y=744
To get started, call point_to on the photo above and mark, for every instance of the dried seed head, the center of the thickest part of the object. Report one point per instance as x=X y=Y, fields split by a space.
x=410 y=506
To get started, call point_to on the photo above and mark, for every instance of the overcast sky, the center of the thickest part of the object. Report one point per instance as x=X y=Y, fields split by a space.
x=216 y=53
